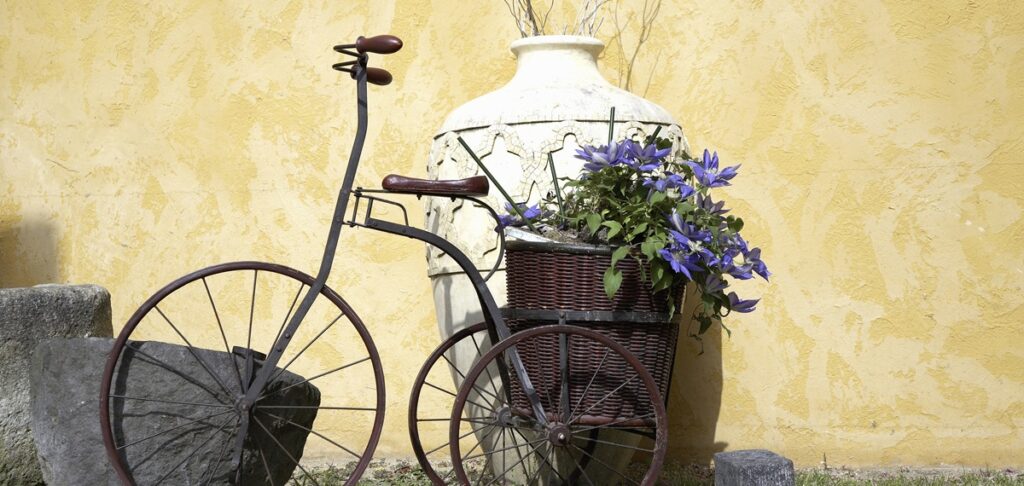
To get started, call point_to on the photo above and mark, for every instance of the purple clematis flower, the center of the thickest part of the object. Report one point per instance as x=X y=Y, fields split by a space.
x=742 y=272
x=680 y=262
x=740 y=305
x=711 y=207
x=707 y=171
x=685 y=232
x=513 y=219
x=602 y=157
x=714 y=284
x=646 y=158
x=669 y=181
x=753 y=258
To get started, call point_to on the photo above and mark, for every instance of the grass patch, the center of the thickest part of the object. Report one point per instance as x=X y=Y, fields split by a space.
x=404 y=473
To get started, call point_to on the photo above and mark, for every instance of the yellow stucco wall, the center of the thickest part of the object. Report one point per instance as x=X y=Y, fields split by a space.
x=882 y=174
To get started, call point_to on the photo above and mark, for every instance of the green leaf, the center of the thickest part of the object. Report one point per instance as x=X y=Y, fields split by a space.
x=614 y=228
x=619 y=254
x=736 y=225
x=657 y=271
x=638 y=229
x=612 y=281
x=649 y=248
x=657 y=197
x=705 y=323
x=593 y=222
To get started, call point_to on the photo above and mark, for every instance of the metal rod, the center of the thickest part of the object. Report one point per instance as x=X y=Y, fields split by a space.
x=554 y=181
x=611 y=126
x=480 y=163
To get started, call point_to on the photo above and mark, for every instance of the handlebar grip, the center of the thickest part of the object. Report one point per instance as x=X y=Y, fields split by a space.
x=378 y=44
x=378 y=76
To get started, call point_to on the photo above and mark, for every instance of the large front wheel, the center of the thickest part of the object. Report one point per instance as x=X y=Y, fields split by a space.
x=603 y=417
x=170 y=405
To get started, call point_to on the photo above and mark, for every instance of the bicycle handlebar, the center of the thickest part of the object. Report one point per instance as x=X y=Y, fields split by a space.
x=378 y=44
x=378 y=76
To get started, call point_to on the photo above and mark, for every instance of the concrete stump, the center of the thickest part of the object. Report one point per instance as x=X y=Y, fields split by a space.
x=29 y=316
x=188 y=444
x=756 y=467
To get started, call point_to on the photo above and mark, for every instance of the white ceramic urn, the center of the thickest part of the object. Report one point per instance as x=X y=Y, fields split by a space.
x=556 y=102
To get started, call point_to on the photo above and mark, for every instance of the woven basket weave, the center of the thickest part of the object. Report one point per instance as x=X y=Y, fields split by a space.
x=570 y=277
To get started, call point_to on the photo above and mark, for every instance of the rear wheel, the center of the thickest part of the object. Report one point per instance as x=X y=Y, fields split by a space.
x=601 y=411
x=170 y=408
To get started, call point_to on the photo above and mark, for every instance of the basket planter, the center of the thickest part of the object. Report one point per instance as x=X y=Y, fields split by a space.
x=548 y=282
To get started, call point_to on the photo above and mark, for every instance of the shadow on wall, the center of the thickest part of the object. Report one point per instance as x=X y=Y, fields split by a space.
x=695 y=395
x=28 y=253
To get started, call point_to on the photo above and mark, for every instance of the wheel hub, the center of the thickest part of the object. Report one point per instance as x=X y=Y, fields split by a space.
x=559 y=435
x=503 y=416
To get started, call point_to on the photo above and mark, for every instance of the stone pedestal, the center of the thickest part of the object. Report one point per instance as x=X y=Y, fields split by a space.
x=753 y=468
x=182 y=444
x=29 y=316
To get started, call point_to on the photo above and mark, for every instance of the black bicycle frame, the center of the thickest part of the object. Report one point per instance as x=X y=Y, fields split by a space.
x=497 y=328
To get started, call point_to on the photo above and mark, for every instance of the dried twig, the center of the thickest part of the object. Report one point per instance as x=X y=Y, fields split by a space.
x=627 y=62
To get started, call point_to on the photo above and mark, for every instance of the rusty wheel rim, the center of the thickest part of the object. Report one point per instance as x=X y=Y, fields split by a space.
x=560 y=448
x=273 y=416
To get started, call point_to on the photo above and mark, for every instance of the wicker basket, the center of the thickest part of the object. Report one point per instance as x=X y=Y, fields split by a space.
x=568 y=277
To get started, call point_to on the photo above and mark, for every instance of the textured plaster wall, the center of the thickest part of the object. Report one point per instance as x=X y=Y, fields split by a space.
x=882 y=174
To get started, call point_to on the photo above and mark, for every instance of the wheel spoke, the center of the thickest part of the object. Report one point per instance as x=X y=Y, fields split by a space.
x=431 y=385
x=512 y=435
x=357 y=409
x=265 y=395
x=545 y=459
x=223 y=336
x=550 y=463
x=463 y=436
x=220 y=458
x=487 y=461
x=563 y=359
x=487 y=369
x=482 y=391
x=176 y=427
x=647 y=415
x=307 y=429
x=544 y=381
x=310 y=343
x=607 y=395
x=194 y=451
x=252 y=307
x=214 y=405
x=532 y=450
x=478 y=442
x=192 y=351
x=592 y=378
x=266 y=466
x=285 y=321
x=615 y=444
x=134 y=346
x=582 y=468
x=606 y=466
x=503 y=449
x=285 y=450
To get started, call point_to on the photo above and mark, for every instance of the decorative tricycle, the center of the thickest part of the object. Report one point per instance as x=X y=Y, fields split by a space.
x=246 y=397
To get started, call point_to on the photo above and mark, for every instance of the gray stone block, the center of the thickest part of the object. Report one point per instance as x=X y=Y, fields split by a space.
x=29 y=316
x=159 y=435
x=755 y=467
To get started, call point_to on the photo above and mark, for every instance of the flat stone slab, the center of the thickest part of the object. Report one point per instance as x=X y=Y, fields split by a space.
x=29 y=316
x=167 y=435
x=756 y=467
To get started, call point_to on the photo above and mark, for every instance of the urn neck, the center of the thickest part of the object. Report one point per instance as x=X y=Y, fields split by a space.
x=561 y=59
